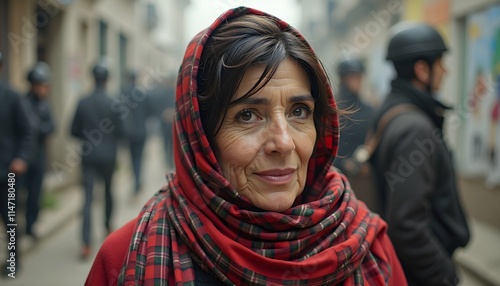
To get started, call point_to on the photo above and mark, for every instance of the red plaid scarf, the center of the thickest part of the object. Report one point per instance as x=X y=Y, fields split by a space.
x=323 y=239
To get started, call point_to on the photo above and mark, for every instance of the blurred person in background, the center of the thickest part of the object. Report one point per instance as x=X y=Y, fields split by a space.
x=354 y=128
x=415 y=171
x=254 y=199
x=355 y=124
x=16 y=147
x=134 y=124
x=41 y=118
x=163 y=97
x=99 y=129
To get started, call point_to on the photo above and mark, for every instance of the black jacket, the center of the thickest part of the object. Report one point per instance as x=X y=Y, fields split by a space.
x=98 y=125
x=418 y=185
x=354 y=126
x=41 y=120
x=16 y=136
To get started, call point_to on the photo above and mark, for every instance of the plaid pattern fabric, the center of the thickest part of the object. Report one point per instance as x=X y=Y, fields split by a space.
x=324 y=239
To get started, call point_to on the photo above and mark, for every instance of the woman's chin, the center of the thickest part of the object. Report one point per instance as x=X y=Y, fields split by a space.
x=276 y=204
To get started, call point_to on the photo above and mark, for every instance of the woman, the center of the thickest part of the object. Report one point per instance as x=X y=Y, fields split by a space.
x=254 y=200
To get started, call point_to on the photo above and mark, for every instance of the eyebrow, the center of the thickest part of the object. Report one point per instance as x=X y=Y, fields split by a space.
x=263 y=100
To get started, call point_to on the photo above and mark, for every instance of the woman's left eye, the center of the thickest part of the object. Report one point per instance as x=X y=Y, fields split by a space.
x=301 y=112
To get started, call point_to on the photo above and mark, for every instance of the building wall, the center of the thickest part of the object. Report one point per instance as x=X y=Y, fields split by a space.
x=476 y=27
x=461 y=8
x=21 y=39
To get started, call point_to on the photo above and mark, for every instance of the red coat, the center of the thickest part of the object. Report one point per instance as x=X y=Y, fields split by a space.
x=109 y=259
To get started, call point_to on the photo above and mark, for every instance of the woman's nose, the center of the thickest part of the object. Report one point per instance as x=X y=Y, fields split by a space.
x=279 y=138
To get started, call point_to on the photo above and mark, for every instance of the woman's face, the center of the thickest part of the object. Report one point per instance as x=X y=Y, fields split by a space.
x=265 y=141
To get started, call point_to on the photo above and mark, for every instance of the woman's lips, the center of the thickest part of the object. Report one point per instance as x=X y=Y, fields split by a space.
x=277 y=176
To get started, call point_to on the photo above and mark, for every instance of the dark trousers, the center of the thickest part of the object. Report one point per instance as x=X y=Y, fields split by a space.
x=90 y=172
x=136 y=151
x=33 y=180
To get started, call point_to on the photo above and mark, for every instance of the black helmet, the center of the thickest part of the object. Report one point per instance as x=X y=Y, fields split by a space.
x=350 y=66
x=415 y=41
x=40 y=73
x=100 y=71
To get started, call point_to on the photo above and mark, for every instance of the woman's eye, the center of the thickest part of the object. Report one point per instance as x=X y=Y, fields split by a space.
x=247 y=116
x=301 y=112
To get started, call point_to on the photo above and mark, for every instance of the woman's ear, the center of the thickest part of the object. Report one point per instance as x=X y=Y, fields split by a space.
x=422 y=71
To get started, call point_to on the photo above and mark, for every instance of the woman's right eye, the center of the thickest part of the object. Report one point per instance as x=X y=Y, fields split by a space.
x=247 y=116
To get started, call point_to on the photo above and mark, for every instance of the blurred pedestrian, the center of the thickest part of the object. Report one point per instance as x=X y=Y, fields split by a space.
x=414 y=167
x=254 y=198
x=99 y=129
x=41 y=119
x=356 y=123
x=16 y=146
x=163 y=96
x=137 y=102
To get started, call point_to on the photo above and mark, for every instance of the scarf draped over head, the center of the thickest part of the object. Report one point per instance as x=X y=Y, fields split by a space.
x=198 y=218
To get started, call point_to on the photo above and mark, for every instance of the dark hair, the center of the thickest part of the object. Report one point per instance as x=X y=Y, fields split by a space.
x=249 y=40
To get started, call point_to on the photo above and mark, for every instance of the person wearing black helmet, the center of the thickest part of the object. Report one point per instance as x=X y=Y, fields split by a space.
x=99 y=130
x=416 y=176
x=41 y=119
x=16 y=147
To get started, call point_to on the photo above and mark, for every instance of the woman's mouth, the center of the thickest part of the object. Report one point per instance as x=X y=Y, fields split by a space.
x=277 y=176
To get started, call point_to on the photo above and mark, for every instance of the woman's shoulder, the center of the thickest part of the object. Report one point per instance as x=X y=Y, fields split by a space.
x=119 y=239
x=108 y=262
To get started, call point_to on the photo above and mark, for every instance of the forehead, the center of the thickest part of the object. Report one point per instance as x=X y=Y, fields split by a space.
x=288 y=68
x=289 y=74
